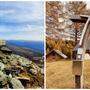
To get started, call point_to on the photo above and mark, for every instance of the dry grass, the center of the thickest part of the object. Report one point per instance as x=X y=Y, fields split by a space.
x=86 y=72
x=59 y=74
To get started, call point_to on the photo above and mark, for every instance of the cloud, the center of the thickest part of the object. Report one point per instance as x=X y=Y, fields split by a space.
x=23 y=11
x=28 y=32
x=25 y=35
x=2 y=12
x=21 y=20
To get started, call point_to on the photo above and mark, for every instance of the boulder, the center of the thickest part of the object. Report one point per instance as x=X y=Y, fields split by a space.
x=16 y=84
x=1 y=66
x=33 y=71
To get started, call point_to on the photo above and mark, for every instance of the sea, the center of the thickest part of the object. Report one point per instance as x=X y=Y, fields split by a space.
x=34 y=45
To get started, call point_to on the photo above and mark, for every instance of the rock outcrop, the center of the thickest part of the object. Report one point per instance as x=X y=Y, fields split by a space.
x=19 y=72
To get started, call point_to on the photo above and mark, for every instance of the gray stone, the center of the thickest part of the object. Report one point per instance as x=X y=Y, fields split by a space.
x=16 y=84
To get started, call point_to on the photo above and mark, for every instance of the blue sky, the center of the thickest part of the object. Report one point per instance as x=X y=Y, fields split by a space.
x=22 y=20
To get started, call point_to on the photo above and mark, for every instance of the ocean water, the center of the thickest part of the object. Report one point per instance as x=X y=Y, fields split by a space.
x=34 y=45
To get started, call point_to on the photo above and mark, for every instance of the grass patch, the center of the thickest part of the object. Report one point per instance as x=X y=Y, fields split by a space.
x=59 y=74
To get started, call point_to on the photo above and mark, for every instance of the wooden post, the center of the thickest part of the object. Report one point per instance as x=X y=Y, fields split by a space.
x=77 y=71
x=77 y=81
x=79 y=51
x=78 y=57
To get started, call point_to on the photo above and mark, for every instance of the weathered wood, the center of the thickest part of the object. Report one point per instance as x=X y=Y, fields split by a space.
x=78 y=19
x=79 y=51
x=77 y=81
x=85 y=34
x=77 y=67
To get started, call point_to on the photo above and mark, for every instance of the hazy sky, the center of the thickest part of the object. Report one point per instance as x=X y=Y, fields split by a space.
x=21 y=20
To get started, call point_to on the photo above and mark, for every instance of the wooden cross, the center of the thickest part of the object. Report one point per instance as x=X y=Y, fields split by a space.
x=80 y=49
